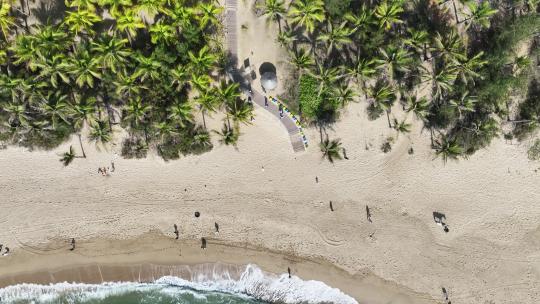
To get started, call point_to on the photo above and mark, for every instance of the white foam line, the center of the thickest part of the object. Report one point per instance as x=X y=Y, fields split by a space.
x=252 y=283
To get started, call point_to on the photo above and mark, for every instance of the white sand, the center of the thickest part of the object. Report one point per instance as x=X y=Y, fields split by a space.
x=490 y=201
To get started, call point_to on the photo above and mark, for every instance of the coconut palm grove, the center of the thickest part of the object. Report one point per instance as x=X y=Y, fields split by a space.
x=144 y=70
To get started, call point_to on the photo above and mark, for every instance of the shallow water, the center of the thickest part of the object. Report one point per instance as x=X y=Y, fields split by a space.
x=253 y=287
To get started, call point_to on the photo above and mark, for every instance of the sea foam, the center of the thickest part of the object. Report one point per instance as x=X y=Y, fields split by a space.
x=253 y=283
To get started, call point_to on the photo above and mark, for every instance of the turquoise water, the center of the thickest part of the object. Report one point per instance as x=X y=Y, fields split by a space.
x=153 y=295
x=211 y=286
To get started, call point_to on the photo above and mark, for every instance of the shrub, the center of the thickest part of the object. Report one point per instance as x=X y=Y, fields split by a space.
x=310 y=100
x=534 y=151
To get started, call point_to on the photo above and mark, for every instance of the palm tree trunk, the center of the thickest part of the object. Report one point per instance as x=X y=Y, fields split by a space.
x=203 y=119
x=82 y=148
x=455 y=12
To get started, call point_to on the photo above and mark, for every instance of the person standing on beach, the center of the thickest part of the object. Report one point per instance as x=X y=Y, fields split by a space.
x=72 y=245
x=289 y=271
x=176 y=232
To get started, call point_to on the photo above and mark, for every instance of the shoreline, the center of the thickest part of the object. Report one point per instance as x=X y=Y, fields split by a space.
x=164 y=256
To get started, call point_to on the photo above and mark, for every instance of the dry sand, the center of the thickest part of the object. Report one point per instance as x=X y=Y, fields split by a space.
x=272 y=213
x=492 y=252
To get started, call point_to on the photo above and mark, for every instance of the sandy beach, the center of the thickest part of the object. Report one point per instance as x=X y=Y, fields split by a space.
x=265 y=198
x=272 y=208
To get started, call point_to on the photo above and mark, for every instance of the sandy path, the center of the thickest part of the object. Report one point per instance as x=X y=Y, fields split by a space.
x=492 y=251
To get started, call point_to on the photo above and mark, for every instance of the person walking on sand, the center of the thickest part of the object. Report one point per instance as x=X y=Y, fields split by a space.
x=266 y=101
x=331 y=206
x=368 y=214
x=217 y=227
x=203 y=243
x=72 y=244
x=176 y=232
x=289 y=271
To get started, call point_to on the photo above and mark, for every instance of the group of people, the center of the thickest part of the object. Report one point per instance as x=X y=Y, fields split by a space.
x=106 y=170
x=6 y=250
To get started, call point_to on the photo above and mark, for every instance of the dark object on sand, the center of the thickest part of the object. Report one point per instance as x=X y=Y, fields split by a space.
x=440 y=219
x=7 y=250
x=331 y=206
x=1 y=246
x=72 y=244
x=317 y=179
x=217 y=227
x=176 y=231
x=289 y=271
x=345 y=154
x=368 y=214
x=445 y=296
x=197 y=214
x=265 y=101
x=203 y=243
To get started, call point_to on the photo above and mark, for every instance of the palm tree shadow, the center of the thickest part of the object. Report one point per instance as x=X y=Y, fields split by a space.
x=50 y=12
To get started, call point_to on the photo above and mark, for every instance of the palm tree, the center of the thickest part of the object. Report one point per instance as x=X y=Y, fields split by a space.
x=301 y=59
x=480 y=13
x=207 y=103
x=81 y=113
x=228 y=135
x=336 y=37
x=150 y=8
x=180 y=77
x=240 y=111
x=52 y=69
x=181 y=112
x=450 y=46
x=81 y=21
x=208 y=13
x=162 y=33
x=274 y=10
x=111 y=52
x=129 y=22
x=82 y=4
x=343 y=95
x=384 y=97
x=147 y=68
x=326 y=76
x=203 y=61
x=447 y=148
x=442 y=81
x=331 y=149
x=465 y=104
x=68 y=156
x=419 y=106
x=201 y=139
x=115 y=6
x=84 y=67
x=362 y=20
x=388 y=14
x=418 y=41
x=402 y=126
x=363 y=71
x=467 y=68
x=6 y=20
x=307 y=13
x=100 y=133
x=136 y=112
x=396 y=59
x=25 y=51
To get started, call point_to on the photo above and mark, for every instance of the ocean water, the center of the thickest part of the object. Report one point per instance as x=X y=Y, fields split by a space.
x=253 y=287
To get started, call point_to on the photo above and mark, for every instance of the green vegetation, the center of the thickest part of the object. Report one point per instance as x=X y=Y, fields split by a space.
x=309 y=98
x=95 y=67
x=331 y=149
x=474 y=59
x=534 y=150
